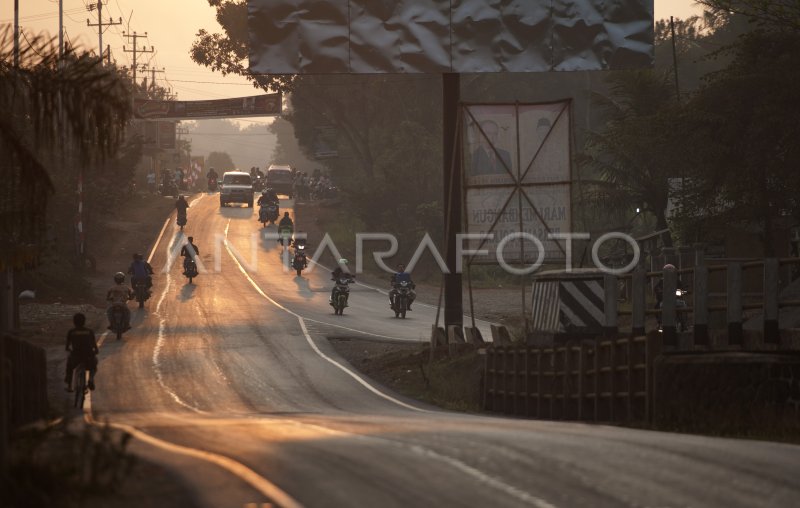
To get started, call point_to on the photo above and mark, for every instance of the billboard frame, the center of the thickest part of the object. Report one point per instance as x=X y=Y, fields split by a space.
x=518 y=184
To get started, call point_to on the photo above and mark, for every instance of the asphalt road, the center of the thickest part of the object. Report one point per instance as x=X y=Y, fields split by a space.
x=232 y=382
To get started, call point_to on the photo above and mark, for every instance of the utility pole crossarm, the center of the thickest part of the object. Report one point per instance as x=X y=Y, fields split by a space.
x=100 y=23
x=136 y=49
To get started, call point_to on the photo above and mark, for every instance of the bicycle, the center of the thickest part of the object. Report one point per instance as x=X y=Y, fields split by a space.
x=79 y=383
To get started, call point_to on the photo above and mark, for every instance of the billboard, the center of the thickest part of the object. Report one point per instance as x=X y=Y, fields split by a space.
x=258 y=105
x=436 y=36
x=517 y=178
x=156 y=134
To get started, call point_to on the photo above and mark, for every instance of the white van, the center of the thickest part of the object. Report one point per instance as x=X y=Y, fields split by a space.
x=280 y=179
x=237 y=187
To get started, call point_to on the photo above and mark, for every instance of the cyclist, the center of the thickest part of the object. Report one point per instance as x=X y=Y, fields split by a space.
x=82 y=347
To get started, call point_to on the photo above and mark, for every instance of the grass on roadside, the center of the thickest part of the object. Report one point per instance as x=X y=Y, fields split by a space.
x=56 y=465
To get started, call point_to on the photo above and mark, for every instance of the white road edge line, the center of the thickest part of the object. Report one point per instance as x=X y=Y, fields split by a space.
x=311 y=342
x=258 y=482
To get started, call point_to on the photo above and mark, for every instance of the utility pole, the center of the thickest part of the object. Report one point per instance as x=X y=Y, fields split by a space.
x=136 y=50
x=675 y=59
x=60 y=30
x=152 y=70
x=100 y=24
x=16 y=33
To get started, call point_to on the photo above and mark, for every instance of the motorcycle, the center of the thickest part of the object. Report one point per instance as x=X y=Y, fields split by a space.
x=268 y=213
x=169 y=188
x=181 y=220
x=402 y=292
x=191 y=270
x=341 y=294
x=299 y=262
x=681 y=324
x=212 y=184
x=140 y=291
x=285 y=235
x=258 y=183
x=117 y=319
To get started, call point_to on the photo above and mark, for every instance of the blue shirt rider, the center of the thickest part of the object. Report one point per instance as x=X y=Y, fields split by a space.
x=401 y=276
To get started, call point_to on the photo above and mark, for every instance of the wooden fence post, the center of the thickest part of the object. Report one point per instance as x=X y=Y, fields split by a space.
x=734 y=300
x=652 y=351
x=771 y=328
x=700 y=304
x=4 y=414
x=638 y=301
x=611 y=291
x=668 y=320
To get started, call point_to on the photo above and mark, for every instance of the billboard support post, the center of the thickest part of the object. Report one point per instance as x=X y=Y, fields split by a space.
x=451 y=156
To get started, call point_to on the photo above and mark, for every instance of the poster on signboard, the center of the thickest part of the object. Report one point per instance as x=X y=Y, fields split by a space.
x=517 y=180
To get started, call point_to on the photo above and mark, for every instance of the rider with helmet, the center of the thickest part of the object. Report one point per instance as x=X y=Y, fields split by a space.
x=118 y=295
x=658 y=289
x=401 y=276
x=285 y=228
x=212 y=179
x=141 y=270
x=338 y=273
x=189 y=251
x=268 y=195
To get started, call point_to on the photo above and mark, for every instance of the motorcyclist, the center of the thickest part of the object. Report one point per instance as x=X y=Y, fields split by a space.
x=401 y=276
x=141 y=270
x=189 y=251
x=181 y=205
x=300 y=251
x=268 y=195
x=285 y=227
x=118 y=295
x=658 y=289
x=338 y=273
x=212 y=177
x=82 y=347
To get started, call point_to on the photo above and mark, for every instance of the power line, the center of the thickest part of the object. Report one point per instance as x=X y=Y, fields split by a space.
x=41 y=16
x=212 y=82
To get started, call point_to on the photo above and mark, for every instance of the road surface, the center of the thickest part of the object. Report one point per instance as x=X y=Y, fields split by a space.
x=231 y=380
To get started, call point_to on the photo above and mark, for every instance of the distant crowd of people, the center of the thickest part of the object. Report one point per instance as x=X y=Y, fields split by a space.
x=315 y=187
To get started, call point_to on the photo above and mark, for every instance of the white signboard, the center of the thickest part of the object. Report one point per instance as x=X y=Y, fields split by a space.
x=517 y=179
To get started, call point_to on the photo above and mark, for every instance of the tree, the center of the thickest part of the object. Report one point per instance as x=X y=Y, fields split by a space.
x=744 y=126
x=220 y=161
x=768 y=14
x=94 y=101
x=635 y=155
x=227 y=53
